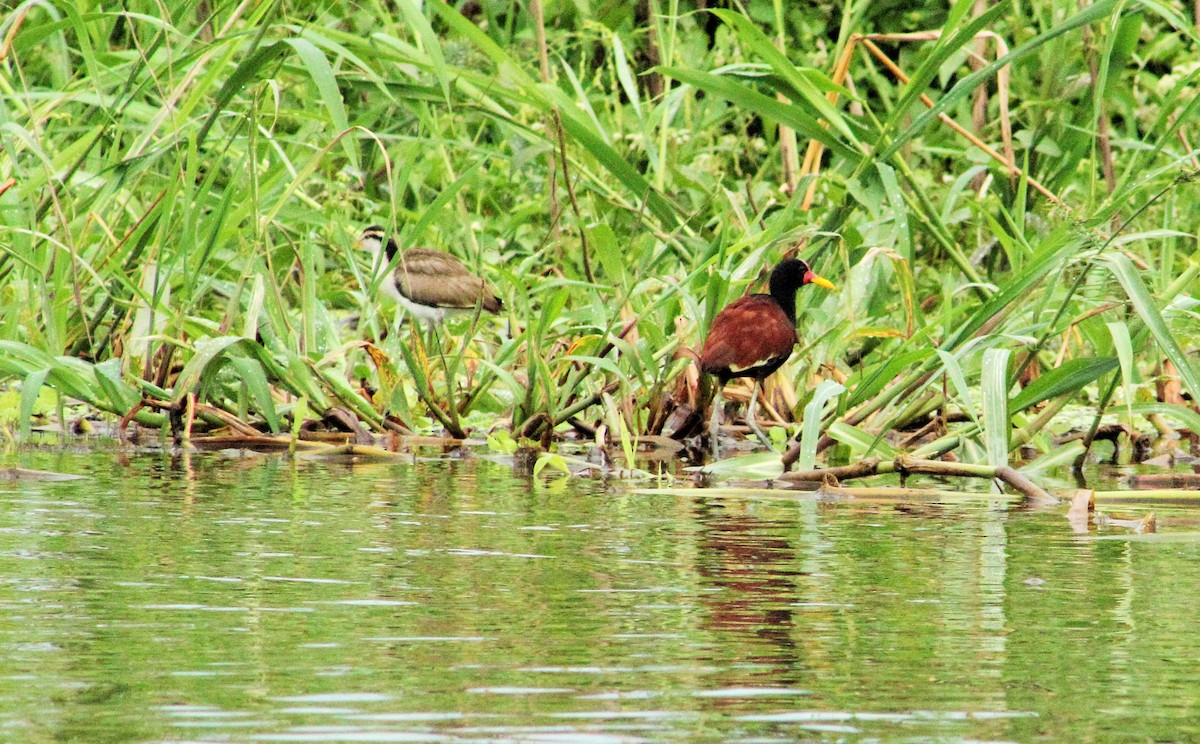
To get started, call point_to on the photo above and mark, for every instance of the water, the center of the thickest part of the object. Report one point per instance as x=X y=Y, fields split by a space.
x=215 y=598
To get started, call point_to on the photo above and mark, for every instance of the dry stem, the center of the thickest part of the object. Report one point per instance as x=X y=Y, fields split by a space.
x=905 y=465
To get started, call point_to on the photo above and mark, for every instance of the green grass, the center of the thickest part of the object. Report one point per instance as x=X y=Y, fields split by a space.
x=181 y=193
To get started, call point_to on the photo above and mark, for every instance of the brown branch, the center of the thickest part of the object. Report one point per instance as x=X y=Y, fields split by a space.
x=212 y=413
x=1103 y=140
x=583 y=241
x=653 y=78
x=860 y=469
x=1149 y=481
x=1002 y=76
x=905 y=465
x=352 y=424
x=18 y=19
x=123 y=423
x=1183 y=138
x=812 y=155
x=948 y=121
x=539 y=26
x=979 y=109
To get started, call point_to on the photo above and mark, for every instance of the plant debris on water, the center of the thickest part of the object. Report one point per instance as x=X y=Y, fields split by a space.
x=1004 y=196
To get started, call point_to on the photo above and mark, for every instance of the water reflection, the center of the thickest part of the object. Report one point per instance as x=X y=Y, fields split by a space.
x=753 y=565
x=220 y=597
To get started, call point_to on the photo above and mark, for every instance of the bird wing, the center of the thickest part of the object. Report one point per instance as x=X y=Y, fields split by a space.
x=749 y=332
x=438 y=279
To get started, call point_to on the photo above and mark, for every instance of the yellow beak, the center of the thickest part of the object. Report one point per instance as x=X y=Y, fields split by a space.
x=821 y=281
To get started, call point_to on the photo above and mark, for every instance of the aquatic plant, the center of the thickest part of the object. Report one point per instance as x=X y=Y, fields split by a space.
x=1016 y=252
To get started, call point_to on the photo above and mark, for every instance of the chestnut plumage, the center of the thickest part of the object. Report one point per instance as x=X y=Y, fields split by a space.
x=752 y=337
x=755 y=335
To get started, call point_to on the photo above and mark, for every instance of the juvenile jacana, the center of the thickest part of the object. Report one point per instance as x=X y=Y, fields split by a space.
x=426 y=282
x=754 y=336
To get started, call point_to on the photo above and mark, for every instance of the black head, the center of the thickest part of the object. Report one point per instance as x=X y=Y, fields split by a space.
x=790 y=275
x=376 y=240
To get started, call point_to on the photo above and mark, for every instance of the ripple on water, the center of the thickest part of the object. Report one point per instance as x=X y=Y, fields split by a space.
x=369 y=602
x=275 y=589
x=626 y=695
x=430 y=639
x=189 y=607
x=342 y=734
x=746 y=692
x=804 y=716
x=519 y=690
x=336 y=697
x=413 y=717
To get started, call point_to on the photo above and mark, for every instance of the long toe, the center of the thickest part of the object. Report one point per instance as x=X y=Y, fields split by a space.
x=762 y=435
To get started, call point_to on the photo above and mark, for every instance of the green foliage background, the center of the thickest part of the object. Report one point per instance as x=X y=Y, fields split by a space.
x=181 y=194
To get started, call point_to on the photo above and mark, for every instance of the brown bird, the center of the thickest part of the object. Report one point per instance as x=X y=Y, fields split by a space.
x=426 y=282
x=754 y=336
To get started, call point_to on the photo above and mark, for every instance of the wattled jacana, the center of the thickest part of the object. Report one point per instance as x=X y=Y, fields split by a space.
x=426 y=282
x=754 y=336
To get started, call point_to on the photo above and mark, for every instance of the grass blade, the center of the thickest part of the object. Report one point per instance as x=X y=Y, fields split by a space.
x=1090 y=14
x=1069 y=377
x=994 y=389
x=1124 y=347
x=322 y=76
x=749 y=99
x=30 y=388
x=417 y=21
x=862 y=443
x=762 y=45
x=255 y=380
x=810 y=433
x=959 y=381
x=1184 y=415
x=1122 y=268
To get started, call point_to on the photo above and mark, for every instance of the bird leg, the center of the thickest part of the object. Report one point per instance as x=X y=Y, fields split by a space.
x=752 y=418
x=451 y=384
x=714 y=425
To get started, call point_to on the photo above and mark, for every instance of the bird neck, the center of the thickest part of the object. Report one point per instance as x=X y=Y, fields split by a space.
x=390 y=249
x=382 y=254
x=784 y=293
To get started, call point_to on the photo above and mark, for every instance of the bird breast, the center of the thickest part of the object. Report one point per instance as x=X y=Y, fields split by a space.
x=750 y=332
